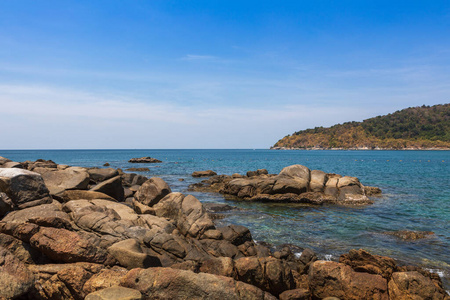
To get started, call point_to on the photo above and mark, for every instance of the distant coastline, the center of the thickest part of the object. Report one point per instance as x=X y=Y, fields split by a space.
x=361 y=148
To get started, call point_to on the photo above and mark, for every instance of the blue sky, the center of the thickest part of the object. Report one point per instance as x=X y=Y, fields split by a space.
x=211 y=74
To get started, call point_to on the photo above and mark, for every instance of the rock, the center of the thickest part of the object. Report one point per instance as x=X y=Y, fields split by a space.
x=23 y=187
x=362 y=261
x=372 y=191
x=217 y=207
x=223 y=266
x=115 y=293
x=104 y=279
x=52 y=210
x=15 y=278
x=106 y=164
x=255 y=173
x=3 y=160
x=153 y=284
x=98 y=175
x=409 y=235
x=42 y=163
x=413 y=285
x=146 y=160
x=206 y=173
x=297 y=171
x=306 y=259
x=67 y=246
x=70 y=195
x=21 y=231
x=20 y=249
x=12 y=164
x=318 y=180
x=236 y=234
x=111 y=187
x=57 y=181
x=130 y=255
x=332 y=279
x=297 y=294
x=152 y=191
x=138 y=169
x=74 y=278
x=6 y=204
x=187 y=212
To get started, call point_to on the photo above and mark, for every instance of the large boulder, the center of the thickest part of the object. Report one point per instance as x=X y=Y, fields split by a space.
x=129 y=254
x=187 y=212
x=318 y=180
x=152 y=191
x=115 y=293
x=52 y=210
x=66 y=246
x=297 y=171
x=167 y=283
x=206 y=173
x=413 y=285
x=104 y=279
x=332 y=279
x=69 y=195
x=23 y=187
x=98 y=175
x=57 y=181
x=111 y=187
x=362 y=261
x=6 y=204
x=15 y=278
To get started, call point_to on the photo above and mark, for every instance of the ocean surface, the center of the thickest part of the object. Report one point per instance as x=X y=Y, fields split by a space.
x=415 y=185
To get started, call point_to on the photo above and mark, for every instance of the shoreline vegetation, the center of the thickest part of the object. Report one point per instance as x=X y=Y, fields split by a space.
x=95 y=233
x=414 y=128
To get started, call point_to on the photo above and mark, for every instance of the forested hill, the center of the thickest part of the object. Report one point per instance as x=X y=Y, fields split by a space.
x=423 y=127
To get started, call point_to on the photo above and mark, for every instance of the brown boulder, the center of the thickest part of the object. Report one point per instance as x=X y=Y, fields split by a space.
x=129 y=254
x=69 y=195
x=297 y=171
x=98 y=175
x=413 y=285
x=206 y=173
x=57 y=181
x=15 y=278
x=111 y=187
x=104 y=279
x=23 y=187
x=297 y=294
x=66 y=246
x=153 y=283
x=152 y=191
x=236 y=234
x=362 y=261
x=6 y=204
x=332 y=279
x=115 y=293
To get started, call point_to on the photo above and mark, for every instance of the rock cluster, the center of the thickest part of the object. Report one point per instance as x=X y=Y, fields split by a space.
x=295 y=183
x=66 y=242
x=146 y=160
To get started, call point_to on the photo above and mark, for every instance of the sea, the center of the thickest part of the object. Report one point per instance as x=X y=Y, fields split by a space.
x=415 y=185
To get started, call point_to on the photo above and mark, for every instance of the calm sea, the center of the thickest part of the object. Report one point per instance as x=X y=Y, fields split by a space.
x=415 y=184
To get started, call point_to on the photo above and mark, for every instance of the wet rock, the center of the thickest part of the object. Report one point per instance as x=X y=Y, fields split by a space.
x=413 y=285
x=152 y=191
x=206 y=173
x=409 y=235
x=23 y=187
x=115 y=293
x=15 y=278
x=152 y=283
x=111 y=187
x=57 y=181
x=147 y=160
x=332 y=279
x=362 y=261
x=98 y=175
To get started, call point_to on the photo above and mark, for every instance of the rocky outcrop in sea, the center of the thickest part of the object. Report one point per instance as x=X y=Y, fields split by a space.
x=79 y=233
x=295 y=184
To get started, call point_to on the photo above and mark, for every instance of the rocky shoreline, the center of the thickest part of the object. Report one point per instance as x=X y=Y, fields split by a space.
x=90 y=233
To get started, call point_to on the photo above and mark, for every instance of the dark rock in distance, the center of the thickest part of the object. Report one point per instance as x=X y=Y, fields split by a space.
x=206 y=173
x=146 y=160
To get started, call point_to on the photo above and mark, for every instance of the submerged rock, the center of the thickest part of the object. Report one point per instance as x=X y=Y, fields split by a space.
x=409 y=235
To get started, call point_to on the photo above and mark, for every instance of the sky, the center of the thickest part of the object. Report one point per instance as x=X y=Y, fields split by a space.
x=164 y=74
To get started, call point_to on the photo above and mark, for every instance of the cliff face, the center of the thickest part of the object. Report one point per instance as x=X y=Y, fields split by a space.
x=425 y=127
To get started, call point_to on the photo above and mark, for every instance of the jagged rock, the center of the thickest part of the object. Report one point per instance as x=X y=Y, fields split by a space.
x=332 y=279
x=15 y=278
x=129 y=254
x=187 y=212
x=146 y=160
x=41 y=163
x=57 y=181
x=306 y=259
x=115 y=293
x=152 y=191
x=23 y=232
x=111 y=187
x=413 y=285
x=20 y=249
x=98 y=175
x=67 y=246
x=104 y=279
x=23 y=187
x=236 y=234
x=153 y=284
x=206 y=173
x=362 y=261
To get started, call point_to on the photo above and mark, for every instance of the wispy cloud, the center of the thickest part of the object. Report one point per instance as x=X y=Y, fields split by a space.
x=193 y=57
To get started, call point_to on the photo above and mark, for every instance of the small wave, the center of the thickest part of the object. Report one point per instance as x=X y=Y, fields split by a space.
x=441 y=273
x=298 y=254
x=328 y=257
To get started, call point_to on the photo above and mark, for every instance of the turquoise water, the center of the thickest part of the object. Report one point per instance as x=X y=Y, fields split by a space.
x=415 y=184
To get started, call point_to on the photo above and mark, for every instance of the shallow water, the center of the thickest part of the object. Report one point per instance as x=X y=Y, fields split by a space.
x=415 y=186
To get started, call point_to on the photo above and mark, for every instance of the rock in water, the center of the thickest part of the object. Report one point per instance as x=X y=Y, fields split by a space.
x=146 y=160
x=23 y=187
x=206 y=173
